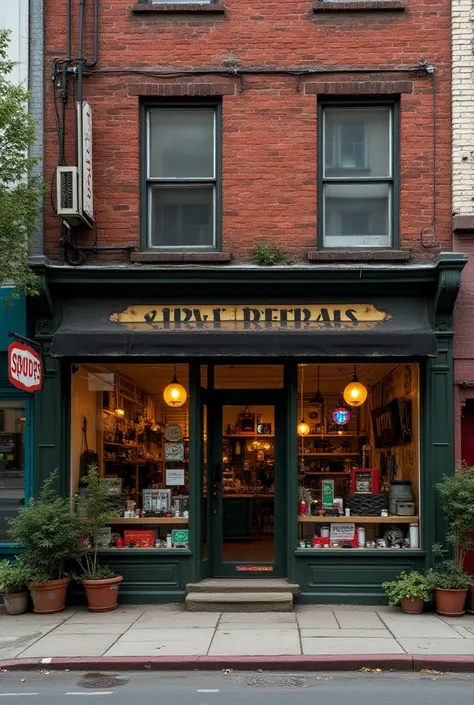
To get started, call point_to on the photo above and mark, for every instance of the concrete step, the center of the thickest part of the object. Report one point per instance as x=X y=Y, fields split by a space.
x=239 y=601
x=258 y=585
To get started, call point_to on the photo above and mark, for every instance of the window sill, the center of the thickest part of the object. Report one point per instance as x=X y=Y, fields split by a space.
x=171 y=7
x=364 y=552
x=162 y=551
x=358 y=255
x=463 y=225
x=367 y=6
x=180 y=257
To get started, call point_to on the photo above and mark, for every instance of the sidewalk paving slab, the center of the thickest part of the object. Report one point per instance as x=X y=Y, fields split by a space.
x=355 y=645
x=261 y=641
x=420 y=645
x=317 y=619
x=358 y=620
x=68 y=645
x=347 y=633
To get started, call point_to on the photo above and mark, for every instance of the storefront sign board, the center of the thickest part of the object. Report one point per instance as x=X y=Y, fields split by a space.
x=251 y=316
x=175 y=476
x=24 y=367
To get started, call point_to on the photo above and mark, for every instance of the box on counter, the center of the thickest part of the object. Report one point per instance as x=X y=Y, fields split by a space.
x=142 y=538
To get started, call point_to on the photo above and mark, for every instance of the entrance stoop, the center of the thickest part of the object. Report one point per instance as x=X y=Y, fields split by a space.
x=215 y=595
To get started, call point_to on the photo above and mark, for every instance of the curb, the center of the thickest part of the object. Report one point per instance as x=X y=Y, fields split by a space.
x=385 y=662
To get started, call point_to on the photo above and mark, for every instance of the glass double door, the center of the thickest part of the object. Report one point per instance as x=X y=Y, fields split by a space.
x=246 y=514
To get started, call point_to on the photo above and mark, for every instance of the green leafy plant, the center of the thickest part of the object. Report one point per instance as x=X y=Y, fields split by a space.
x=304 y=495
x=270 y=253
x=413 y=585
x=13 y=577
x=98 y=509
x=447 y=573
x=457 y=500
x=21 y=190
x=49 y=531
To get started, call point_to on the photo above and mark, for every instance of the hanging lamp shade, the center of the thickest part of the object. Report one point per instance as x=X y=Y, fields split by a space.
x=355 y=393
x=175 y=394
x=303 y=428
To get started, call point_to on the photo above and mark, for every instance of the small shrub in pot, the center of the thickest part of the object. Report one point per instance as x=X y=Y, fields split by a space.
x=409 y=590
x=98 y=510
x=49 y=532
x=450 y=584
x=13 y=576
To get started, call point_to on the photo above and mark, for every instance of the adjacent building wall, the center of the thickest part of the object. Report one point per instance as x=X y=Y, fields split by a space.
x=463 y=202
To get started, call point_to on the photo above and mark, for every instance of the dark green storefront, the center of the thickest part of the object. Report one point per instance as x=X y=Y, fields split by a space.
x=73 y=316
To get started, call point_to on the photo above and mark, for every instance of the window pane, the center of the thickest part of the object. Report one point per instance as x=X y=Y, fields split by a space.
x=182 y=216
x=357 y=142
x=357 y=215
x=181 y=143
x=12 y=462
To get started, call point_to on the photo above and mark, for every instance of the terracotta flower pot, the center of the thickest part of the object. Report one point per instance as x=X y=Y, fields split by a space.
x=412 y=605
x=470 y=599
x=102 y=594
x=16 y=602
x=50 y=596
x=450 y=603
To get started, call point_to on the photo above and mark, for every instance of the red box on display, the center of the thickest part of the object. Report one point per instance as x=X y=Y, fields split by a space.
x=365 y=481
x=141 y=538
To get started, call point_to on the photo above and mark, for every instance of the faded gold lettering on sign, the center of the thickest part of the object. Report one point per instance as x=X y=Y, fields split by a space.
x=251 y=317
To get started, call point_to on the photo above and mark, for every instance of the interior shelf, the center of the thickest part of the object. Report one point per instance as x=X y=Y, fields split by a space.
x=151 y=520
x=354 y=519
x=331 y=455
x=340 y=474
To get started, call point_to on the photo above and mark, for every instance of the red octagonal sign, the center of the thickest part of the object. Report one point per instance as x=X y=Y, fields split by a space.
x=24 y=367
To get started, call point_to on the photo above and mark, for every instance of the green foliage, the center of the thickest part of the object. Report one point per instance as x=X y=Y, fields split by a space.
x=457 y=500
x=13 y=577
x=447 y=574
x=49 y=532
x=304 y=495
x=21 y=191
x=269 y=253
x=98 y=510
x=413 y=585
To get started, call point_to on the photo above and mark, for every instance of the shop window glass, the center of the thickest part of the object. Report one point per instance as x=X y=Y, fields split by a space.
x=182 y=177
x=12 y=462
x=121 y=421
x=357 y=178
x=358 y=467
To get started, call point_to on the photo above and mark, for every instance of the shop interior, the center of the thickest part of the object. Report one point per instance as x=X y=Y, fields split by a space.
x=357 y=461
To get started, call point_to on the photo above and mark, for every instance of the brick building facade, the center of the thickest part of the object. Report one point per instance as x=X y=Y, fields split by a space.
x=216 y=128
x=268 y=65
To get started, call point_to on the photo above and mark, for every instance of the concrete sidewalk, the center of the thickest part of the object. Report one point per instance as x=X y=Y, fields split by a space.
x=168 y=631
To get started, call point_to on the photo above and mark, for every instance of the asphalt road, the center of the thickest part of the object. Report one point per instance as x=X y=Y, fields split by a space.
x=153 y=688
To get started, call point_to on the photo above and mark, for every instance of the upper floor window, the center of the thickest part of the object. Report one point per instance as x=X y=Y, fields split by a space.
x=182 y=180
x=357 y=192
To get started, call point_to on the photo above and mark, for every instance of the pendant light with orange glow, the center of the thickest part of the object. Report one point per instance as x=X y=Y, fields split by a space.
x=302 y=428
x=355 y=393
x=175 y=394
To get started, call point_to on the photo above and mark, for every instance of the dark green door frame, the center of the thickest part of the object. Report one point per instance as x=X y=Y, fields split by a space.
x=245 y=397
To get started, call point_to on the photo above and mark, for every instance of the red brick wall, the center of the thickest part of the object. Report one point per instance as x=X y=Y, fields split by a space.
x=269 y=121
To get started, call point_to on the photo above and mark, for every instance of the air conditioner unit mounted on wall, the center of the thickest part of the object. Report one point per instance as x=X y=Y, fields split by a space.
x=74 y=183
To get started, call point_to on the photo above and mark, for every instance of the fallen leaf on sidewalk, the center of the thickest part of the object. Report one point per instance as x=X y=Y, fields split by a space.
x=366 y=669
x=431 y=672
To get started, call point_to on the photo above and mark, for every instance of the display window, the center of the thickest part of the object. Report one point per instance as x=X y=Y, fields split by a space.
x=358 y=457
x=14 y=485
x=132 y=421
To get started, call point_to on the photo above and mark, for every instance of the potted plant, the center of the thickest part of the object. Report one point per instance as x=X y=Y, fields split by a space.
x=450 y=584
x=49 y=532
x=305 y=499
x=409 y=590
x=457 y=499
x=100 y=582
x=12 y=586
